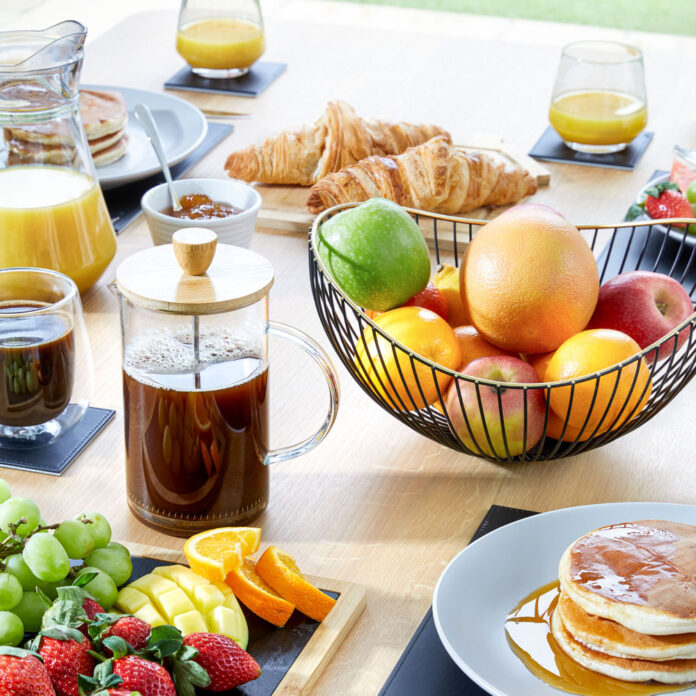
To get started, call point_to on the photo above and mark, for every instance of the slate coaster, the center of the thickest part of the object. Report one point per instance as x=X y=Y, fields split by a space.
x=651 y=249
x=55 y=458
x=275 y=649
x=124 y=202
x=550 y=147
x=425 y=668
x=256 y=81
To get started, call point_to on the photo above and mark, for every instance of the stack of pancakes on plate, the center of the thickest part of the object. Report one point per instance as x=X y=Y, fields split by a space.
x=104 y=117
x=628 y=602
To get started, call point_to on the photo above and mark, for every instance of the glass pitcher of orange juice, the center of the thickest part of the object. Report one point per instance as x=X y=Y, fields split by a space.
x=599 y=103
x=52 y=212
x=220 y=38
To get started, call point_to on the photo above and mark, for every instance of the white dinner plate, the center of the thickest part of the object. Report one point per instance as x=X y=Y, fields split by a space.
x=486 y=580
x=674 y=233
x=182 y=129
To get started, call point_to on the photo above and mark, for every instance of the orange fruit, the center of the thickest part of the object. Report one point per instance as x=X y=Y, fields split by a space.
x=214 y=553
x=540 y=361
x=474 y=346
x=257 y=596
x=446 y=280
x=554 y=428
x=618 y=395
x=280 y=571
x=395 y=378
x=529 y=280
x=430 y=297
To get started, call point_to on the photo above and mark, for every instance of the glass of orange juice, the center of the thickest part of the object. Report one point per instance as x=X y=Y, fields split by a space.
x=220 y=38
x=598 y=103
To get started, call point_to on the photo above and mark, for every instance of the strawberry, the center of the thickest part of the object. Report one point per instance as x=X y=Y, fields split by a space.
x=227 y=665
x=133 y=630
x=669 y=204
x=23 y=674
x=149 y=678
x=64 y=652
x=92 y=608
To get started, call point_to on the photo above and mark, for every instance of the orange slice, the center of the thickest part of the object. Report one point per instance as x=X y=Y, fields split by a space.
x=280 y=571
x=257 y=596
x=213 y=554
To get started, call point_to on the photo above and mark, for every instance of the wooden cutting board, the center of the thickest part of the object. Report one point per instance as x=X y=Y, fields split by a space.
x=316 y=654
x=284 y=209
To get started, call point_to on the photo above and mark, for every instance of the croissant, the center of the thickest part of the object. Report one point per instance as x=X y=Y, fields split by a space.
x=433 y=176
x=339 y=138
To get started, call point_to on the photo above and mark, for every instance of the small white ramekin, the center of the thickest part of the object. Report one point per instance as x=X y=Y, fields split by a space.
x=235 y=229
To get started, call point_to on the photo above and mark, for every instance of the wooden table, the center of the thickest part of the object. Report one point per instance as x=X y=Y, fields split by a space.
x=376 y=503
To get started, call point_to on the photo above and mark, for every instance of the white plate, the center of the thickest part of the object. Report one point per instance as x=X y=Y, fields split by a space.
x=487 y=579
x=674 y=233
x=182 y=128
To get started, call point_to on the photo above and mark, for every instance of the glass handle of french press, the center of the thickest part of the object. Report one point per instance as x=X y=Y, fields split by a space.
x=317 y=353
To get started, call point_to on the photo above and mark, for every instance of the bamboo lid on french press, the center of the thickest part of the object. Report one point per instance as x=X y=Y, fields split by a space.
x=195 y=275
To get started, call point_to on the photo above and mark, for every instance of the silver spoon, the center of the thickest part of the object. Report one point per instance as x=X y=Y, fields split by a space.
x=144 y=115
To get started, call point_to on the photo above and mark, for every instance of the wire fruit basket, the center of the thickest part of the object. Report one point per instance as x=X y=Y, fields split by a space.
x=615 y=400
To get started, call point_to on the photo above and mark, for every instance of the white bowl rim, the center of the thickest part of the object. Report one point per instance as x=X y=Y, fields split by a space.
x=215 y=222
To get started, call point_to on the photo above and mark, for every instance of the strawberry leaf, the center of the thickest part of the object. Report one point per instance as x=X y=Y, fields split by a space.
x=101 y=623
x=658 y=188
x=187 y=676
x=118 y=646
x=635 y=211
x=84 y=579
x=58 y=632
x=164 y=641
x=65 y=612
x=18 y=652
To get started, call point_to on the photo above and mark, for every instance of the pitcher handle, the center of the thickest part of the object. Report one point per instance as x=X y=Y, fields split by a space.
x=317 y=353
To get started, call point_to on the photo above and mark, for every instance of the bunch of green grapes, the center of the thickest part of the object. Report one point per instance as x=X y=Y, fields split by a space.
x=36 y=559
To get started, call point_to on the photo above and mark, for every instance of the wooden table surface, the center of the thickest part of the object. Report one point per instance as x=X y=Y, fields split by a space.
x=376 y=503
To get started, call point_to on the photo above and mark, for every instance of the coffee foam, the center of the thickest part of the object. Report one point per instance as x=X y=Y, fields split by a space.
x=170 y=352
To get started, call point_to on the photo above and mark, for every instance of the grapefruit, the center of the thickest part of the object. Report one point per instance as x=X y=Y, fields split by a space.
x=529 y=280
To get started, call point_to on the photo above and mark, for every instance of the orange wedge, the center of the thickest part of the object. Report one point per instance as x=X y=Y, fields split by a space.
x=280 y=571
x=257 y=596
x=213 y=554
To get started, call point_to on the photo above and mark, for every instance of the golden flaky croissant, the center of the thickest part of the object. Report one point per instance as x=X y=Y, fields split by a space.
x=433 y=176
x=339 y=138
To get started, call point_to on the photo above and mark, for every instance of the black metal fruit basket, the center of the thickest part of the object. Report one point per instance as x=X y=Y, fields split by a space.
x=612 y=402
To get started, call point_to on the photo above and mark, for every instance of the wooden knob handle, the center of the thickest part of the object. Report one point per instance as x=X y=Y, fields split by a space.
x=194 y=248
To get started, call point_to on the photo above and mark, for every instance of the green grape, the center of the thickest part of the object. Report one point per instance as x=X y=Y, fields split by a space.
x=50 y=589
x=11 y=629
x=102 y=587
x=4 y=491
x=76 y=538
x=691 y=192
x=30 y=610
x=112 y=562
x=46 y=557
x=42 y=523
x=119 y=547
x=13 y=509
x=99 y=527
x=16 y=565
x=10 y=591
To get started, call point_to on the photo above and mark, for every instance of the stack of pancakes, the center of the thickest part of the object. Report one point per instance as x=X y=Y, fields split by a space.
x=104 y=117
x=628 y=602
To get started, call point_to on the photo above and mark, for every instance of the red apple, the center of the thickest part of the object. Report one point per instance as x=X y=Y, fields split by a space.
x=644 y=305
x=500 y=368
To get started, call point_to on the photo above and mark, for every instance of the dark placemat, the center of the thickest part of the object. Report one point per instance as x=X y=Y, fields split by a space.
x=275 y=649
x=550 y=147
x=425 y=668
x=58 y=456
x=651 y=249
x=257 y=80
x=123 y=202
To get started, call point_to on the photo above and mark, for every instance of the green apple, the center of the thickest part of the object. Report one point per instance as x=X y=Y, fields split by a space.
x=376 y=254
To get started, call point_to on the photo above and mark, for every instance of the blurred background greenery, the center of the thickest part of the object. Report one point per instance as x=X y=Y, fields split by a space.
x=665 y=16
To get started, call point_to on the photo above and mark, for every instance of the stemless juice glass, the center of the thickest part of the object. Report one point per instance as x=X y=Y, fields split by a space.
x=45 y=360
x=220 y=38
x=599 y=103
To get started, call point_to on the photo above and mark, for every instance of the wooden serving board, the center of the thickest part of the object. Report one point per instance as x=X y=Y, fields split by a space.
x=299 y=679
x=284 y=211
